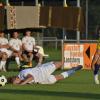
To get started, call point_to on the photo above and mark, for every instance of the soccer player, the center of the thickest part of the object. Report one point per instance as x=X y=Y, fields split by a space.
x=43 y=74
x=16 y=47
x=4 y=52
x=96 y=64
x=28 y=43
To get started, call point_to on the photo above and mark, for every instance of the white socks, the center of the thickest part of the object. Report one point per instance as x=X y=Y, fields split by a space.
x=17 y=61
x=64 y=74
x=2 y=65
x=68 y=73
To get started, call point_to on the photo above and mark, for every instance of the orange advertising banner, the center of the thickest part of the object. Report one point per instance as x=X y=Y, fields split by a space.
x=79 y=54
x=89 y=51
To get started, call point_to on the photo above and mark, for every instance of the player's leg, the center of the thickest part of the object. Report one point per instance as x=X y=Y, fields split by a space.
x=25 y=57
x=9 y=54
x=30 y=54
x=39 y=58
x=17 y=59
x=0 y=60
x=20 y=56
x=68 y=73
x=96 y=70
x=50 y=67
x=54 y=78
x=3 y=61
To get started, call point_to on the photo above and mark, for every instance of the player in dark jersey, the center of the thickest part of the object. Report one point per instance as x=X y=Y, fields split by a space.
x=96 y=64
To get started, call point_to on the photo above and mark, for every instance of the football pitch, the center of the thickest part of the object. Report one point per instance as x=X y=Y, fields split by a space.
x=79 y=86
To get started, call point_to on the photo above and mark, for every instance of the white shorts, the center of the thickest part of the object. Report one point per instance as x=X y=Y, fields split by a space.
x=42 y=75
x=8 y=52
x=46 y=73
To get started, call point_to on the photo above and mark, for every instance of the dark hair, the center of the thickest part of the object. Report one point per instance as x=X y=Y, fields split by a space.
x=12 y=32
x=11 y=79
x=27 y=30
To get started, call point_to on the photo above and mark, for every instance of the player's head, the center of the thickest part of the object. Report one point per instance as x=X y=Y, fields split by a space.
x=27 y=33
x=15 y=34
x=1 y=34
x=11 y=79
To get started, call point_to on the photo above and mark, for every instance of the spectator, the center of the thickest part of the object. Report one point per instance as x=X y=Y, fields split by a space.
x=4 y=52
x=28 y=43
x=16 y=47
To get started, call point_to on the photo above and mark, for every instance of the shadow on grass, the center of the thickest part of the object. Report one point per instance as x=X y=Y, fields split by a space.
x=51 y=93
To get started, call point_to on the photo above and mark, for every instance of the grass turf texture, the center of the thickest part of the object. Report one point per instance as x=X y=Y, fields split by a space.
x=79 y=86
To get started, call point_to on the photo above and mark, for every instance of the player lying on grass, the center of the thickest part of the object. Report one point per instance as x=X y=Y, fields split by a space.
x=96 y=64
x=42 y=74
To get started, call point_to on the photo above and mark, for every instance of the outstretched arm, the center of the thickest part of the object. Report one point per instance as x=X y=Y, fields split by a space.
x=28 y=79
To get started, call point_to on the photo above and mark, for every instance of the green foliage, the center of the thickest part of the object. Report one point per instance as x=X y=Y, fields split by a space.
x=3 y=1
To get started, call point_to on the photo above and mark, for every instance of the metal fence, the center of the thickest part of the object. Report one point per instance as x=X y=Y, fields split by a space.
x=54 y=47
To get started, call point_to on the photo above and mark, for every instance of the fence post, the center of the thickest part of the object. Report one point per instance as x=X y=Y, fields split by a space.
x=78 y=32
x=62 y=48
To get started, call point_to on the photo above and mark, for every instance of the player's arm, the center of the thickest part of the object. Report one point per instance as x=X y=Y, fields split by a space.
x=23 y=47
x=23 y=44
x=28 y=79
x=34 y=44
x=4 y=46
x=96 y=56
x=11 y=47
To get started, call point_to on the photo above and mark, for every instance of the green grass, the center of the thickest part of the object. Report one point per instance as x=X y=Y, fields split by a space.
x=80 y=86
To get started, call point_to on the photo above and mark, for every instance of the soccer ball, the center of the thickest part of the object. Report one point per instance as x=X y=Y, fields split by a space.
x=3 y=80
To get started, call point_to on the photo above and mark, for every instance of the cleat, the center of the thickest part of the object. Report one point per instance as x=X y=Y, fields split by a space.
x=97 y=82
x=30 y=64
x=96 y=79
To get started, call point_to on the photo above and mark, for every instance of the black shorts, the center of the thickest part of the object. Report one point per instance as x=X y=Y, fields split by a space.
x=96 y=69
x=25 y=52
